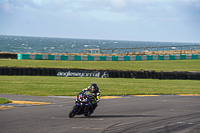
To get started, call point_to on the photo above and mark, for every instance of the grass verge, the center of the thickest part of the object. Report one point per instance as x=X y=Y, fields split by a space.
x=3 y=101
x=157 y=65
x=70 y=86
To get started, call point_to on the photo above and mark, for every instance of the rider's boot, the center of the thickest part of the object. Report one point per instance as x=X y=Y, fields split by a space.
x=93 y=107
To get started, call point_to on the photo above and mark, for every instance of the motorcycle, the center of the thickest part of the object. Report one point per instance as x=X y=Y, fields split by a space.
x=83 y=105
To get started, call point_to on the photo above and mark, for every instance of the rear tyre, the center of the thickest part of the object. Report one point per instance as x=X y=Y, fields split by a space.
x=72 y=112
x=88 y=113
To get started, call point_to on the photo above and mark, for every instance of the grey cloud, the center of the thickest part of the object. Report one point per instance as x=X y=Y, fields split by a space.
x=120 y=17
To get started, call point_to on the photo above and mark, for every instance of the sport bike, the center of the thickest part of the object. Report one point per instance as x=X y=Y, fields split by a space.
x=83 y=105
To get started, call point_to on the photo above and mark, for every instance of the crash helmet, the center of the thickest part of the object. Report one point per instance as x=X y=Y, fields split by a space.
x=93 y=88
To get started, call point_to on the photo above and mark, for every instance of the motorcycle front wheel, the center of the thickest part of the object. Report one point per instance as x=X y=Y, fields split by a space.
x=72 y=112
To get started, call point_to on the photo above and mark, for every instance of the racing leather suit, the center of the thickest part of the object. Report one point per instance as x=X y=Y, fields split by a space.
x=95 y=96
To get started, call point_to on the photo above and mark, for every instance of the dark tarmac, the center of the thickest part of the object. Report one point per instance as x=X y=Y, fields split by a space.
x=151 y=114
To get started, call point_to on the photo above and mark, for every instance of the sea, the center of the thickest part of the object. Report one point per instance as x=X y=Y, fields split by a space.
x=27 y=44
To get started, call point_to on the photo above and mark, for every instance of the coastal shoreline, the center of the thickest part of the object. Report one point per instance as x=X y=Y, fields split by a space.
x=172 y=52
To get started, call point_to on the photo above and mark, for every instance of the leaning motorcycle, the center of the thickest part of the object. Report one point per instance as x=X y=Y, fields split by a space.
x=83 y=105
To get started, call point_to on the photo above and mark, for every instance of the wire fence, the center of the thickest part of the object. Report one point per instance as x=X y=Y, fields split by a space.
x=142 y=50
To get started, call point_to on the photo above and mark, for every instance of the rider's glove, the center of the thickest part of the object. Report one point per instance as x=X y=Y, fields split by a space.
x=83 y=91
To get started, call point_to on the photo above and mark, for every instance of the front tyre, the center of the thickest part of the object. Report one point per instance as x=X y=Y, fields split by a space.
x=72 y=112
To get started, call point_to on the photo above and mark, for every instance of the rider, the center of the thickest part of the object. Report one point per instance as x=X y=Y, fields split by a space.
x=95 y=93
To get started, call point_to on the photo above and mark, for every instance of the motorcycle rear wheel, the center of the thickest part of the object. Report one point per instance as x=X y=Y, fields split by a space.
x=88 y=114
x=72 y=112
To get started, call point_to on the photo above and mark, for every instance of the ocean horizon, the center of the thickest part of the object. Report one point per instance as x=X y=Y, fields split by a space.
x=29 y=44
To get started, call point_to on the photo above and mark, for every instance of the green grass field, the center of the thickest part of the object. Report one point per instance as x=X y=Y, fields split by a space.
x=157 y=65
x=3 y=101
x=70 y=86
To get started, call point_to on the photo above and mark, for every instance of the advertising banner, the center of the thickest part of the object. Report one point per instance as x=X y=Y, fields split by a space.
x=83 y=73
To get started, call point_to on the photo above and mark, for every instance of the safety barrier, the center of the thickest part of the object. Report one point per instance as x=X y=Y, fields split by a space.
x=98 y=73
x=106 y=58
x=22 y=71
x=98 y=58
x=8 y=55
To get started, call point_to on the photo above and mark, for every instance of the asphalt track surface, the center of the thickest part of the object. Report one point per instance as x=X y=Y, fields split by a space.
x=155 y=114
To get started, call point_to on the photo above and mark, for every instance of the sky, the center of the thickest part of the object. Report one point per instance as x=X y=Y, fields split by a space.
x=133 y=20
